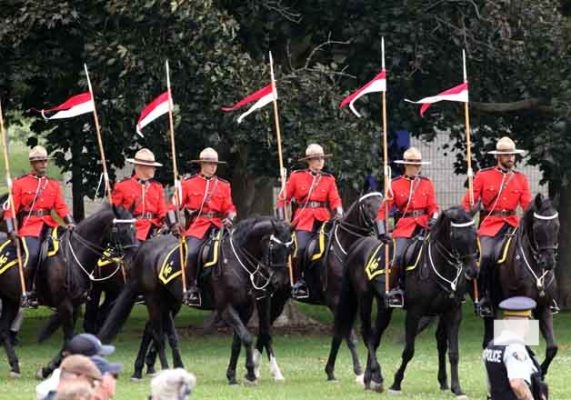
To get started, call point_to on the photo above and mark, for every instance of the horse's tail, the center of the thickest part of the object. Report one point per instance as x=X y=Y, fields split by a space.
x=119 y=313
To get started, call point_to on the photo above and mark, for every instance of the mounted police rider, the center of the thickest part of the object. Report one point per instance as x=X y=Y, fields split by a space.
x=417 y=209
x=317 y=201
x=35 y=196
x=207 y=200
x=512 y=371
x=142 y=195
x=501 y=189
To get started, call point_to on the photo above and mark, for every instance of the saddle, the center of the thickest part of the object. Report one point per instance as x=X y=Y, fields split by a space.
x=208 y=257
x=413 y=253
x=318 y=245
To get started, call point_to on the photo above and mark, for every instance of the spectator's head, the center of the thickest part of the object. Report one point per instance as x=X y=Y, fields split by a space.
x=172 y=384
x=77 y=367
x=88 y=345
x=75 y=390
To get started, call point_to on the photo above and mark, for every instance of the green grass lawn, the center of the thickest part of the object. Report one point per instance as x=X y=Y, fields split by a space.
x=301 y=357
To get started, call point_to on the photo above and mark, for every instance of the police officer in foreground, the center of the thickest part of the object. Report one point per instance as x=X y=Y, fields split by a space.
x=512 y=371
x=35 y=197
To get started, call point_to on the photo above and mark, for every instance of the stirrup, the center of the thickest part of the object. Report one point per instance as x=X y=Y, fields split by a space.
x=483 y=309
x=299 y=291
x=394 y=298
x=192 y=297
x=554 y=307
x=29 y=300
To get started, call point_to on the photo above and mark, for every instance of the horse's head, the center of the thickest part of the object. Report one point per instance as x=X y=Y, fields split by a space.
x=456 y=229
x=541 y=223
x=363 y=213
x=267 y=243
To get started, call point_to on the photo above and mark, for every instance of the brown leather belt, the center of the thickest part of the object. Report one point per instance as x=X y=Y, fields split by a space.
x=315 y=204
x=36 y=213
x=413 y=213
x=500 y=213
x=212 y=215
x=146 y=215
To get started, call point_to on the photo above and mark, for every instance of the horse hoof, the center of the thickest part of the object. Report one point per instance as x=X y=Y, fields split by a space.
x=462 y=397
x=248 y=382
x=135 y=378
x=279 y=378
x=14 y=375
x=40 y=374
x=376 y=387
x=360 y=380
x=233 y=382
x=394 y=392
x=151 y=371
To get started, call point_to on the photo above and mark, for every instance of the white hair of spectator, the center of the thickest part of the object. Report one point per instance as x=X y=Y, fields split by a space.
x=172 y=384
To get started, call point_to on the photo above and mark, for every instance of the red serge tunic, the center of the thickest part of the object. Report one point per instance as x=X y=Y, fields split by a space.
x=500 y=191
x=145 y=200
x=315 y=194
x=212 y=201
x=415 y=201
x=34 y=199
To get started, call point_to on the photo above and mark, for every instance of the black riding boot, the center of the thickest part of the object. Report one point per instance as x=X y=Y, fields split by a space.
x=299 y=290
x=484 y=304
x=192 y=297
x=395 y=297
x=30 y=298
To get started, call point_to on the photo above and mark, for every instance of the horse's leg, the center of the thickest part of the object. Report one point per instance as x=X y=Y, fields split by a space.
x=146 y=341
x=234 y=354
x=232 y=317
x=411 y=328
x=157 y=310
x=442 y=346
x=351 y=340
x=548 y=333
x=9 y=312
x=372 y=379
x=267 y=314
x=453 y=320
x=151 y=358
x=488 y=330
x=91 y=317
x=173 y=341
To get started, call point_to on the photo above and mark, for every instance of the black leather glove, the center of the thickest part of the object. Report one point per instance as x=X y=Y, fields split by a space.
x=70 y=223
x=13 y=235
x=280 y=213
x=382 y=235
x=227 y=223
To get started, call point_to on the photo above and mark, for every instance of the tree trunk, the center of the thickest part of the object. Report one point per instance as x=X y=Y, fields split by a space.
x=563 y=270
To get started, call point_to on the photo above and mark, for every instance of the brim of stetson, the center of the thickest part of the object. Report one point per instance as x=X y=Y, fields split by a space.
x=145 y=163
x=314 y=156
x=207 y=161
x=408 y=162
x=39 y=159
x=506 y=152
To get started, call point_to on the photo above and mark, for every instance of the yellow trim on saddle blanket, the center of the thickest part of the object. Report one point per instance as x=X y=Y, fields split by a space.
x=166 y=273
x=505 y=248
x=106 y=258
x=413 y=266
x=5 y=262
x=214 y=260
x=321 y=243
x=372 y=268
x=55 y=243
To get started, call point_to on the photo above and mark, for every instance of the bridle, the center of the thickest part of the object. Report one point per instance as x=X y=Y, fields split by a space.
x=118 y=248
x=535 y=251
x=365 y=223
x=260 y=270
x=452 y=257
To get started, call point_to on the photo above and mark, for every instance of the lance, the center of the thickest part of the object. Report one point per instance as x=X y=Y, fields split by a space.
x=386 y=171
x=99 y=139
x=177 y=184
x=470 y=171
x=283 y=171
x=11 y=201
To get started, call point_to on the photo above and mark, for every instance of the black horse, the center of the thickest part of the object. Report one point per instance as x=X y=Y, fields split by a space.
x=253 y=260
x=324 y=277
x=63 y=280
x=527 y=270
x=443 y=263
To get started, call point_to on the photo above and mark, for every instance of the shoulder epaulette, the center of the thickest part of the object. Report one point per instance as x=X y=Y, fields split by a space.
x=426 y=178
x=223 y=180
x=295 y=171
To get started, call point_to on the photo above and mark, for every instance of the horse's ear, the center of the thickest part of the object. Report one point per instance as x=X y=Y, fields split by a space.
x=538 y=201
x=115 y=211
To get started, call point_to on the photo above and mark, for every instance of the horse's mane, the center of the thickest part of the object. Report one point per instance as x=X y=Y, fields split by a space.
x=105 y=208
x=245 y=227
x=455 y=214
